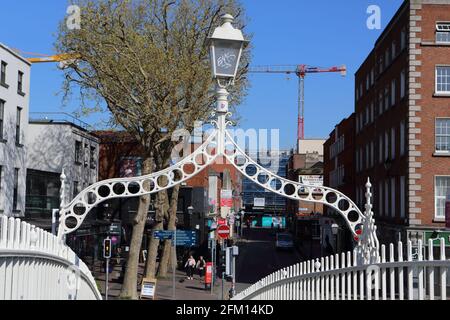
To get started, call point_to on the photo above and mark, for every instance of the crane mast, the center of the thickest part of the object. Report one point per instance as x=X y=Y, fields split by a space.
x=300 y=71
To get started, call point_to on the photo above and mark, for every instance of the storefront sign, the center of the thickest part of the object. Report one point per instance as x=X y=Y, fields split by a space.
x=148 y=289
x=259 y=202
x=226 y=198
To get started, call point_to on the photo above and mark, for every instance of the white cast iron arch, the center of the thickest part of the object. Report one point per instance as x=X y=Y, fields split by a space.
x=73 y=214
x=294 y=190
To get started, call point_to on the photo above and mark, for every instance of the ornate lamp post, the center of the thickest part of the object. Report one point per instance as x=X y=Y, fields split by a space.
x=226 y=46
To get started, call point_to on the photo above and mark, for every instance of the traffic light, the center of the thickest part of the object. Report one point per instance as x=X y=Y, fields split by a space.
x=107 y=248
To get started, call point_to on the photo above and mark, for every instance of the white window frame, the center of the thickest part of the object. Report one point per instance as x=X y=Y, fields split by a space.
x=386 y=196
x=386 y=97
x=386 y=145
x=435 y=136
x=380 y=149
x=440 y=197
x=436 y=79
x=442 y=30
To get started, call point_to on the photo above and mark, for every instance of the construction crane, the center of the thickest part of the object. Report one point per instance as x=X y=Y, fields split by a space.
x=300 y=71
x=63 y=59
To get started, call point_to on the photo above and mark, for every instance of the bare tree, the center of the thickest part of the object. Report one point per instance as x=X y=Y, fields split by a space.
x=146 y=63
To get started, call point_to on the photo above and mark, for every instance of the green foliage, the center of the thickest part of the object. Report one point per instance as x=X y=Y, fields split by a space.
x=148 y=62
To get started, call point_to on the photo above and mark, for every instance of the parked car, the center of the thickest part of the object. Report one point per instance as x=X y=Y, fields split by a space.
x=284 y=241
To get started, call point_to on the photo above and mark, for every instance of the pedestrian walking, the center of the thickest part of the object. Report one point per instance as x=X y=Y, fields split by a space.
x=190 y=266
x=201 y=265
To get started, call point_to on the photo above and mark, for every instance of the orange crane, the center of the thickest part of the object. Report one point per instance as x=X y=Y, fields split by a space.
x=43 y=58
x=300 y=71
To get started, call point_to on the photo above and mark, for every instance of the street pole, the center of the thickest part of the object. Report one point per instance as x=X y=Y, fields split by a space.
x=174 y=267
x=107 y=278
x=213 y=250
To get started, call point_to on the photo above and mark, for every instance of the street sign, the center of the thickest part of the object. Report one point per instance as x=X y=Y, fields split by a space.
x=223 y=232
x=185 y=238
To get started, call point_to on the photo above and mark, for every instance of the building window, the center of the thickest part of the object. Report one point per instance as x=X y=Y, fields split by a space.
x=92 y=158
x=3 y=73
x=386 y=58
x=2 y=116
x=1 y=179
x=386 y=98
x=367 y=82
x=393 y=50
x=402 y=137
x=443 y=135
x=386 y=145
x=372 y=76
x=76 y=186
x=16 y=189
x=393 y=143
x=443 y=32
x=380 y=149
x=372 y=154
x=393 y=197
x=403 y=37
x=402 y=196
x=386 y=197
x=380 y=101
x=380 y=198
x=20 y=83
x=18 y=121
x=442 y=189
x=443 y=79
x=403 y=84
x=367 y=156
x=393 y=92
x=372 y=112
x=78 y=152
x=380 y=64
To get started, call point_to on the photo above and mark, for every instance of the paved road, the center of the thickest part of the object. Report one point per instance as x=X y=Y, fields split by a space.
x=258 y=258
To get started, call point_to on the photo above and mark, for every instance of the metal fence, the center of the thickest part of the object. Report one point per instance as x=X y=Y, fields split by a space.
x=34 y=265
x=417 y=273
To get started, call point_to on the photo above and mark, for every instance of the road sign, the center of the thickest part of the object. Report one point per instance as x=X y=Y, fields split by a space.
x=184 y=238
x=223 y=232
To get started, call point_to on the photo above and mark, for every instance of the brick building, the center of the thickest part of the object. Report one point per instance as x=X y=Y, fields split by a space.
x=402 y=122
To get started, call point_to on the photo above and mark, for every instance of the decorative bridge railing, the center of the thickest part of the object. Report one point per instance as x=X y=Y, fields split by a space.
x=420 y=275
x=36 y=265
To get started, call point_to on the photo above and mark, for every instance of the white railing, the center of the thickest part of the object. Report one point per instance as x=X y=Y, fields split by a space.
x=422 y=275
x=35 y=265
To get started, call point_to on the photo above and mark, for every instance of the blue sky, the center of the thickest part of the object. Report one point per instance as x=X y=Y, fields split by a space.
x=318 y=33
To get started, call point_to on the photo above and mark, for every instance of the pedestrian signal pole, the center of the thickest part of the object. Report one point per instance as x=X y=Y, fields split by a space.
x=107 y=255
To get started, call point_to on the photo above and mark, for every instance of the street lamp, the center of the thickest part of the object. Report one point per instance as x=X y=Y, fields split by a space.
x=334 y=229
x=190 y=210
x=226 y=46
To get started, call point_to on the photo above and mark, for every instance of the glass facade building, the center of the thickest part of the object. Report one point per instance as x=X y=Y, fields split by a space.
x=273 y=204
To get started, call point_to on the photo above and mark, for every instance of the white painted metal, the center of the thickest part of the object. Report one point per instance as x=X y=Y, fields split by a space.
x=328 y=280
x=34 y=265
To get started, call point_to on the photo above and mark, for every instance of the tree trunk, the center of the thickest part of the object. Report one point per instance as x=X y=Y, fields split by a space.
x=150 y=267
x=129 y=287
x=167 y=255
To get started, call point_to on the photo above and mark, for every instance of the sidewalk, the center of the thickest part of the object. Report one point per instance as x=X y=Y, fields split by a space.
x=184 y=289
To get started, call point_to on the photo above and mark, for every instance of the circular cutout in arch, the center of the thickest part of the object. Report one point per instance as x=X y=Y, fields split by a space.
x=230 y=149
x=353 y=216
x=134 y=187
x=275 y=184
x=303 y=192
x=90 y=197
x=200 y=160
x=343 y=205
x=289 y=189
x=317 y=194
x=188 y=168
x=79 y=209
x=71 y=222
x=331 y=197
x=176 y=175
x=119 y=188
x=251 y=170
x=163 y=181
x=211 y=149
x=240 y=160
x=148 y=185
x=104 y=191
x=263 y=178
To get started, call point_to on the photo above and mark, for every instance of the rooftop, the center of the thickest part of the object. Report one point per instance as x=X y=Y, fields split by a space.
x=58 y=118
